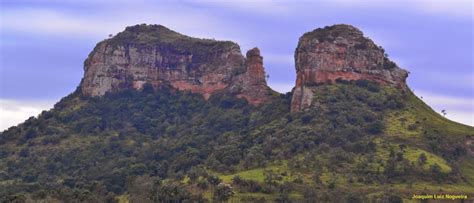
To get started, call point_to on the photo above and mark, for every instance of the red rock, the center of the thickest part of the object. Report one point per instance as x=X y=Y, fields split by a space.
x=340 y=52
x=252 y=83
x=159 y=56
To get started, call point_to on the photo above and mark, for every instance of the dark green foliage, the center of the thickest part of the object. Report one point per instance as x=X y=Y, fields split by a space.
x=422 y=159
x=223 y=192
x=91 y=147
x=370 y=85
x=395 y=199
x=376 y=127
x=214 y=180
x=388 y=64
x=171 y=192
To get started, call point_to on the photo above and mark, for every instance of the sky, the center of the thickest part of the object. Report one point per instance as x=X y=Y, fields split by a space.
x=43 y=43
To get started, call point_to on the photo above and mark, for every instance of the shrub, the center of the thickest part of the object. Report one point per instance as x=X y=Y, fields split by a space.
x=376 y=127
x=223 y=192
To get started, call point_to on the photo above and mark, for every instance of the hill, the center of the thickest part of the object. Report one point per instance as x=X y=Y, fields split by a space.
x=141 y=131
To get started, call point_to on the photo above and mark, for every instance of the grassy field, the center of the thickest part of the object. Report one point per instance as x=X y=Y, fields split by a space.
x=467 y=168
x=258 y=174
x=413 y=154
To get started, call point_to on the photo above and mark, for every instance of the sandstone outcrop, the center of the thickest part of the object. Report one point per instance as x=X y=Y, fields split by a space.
x=159 y=56
x=252 y=84
x=340 y=52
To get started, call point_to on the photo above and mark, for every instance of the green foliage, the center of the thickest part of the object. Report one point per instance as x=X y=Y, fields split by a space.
x=353 y=136
x=223 y=192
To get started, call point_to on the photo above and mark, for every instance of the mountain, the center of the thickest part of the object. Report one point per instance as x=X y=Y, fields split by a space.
x=163 y=117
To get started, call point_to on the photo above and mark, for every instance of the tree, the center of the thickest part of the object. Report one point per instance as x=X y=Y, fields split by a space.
x=376 y=127
x=213 y=180
x=395 y=199
x=223 y=192
x=203 y=184
x=435 y=169
x=422 y=159
x=443 y=112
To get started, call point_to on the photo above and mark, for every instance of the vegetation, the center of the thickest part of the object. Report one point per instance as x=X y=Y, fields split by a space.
x=354 y=144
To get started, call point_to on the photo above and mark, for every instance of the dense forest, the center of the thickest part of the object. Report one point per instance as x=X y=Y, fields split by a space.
x=358 y=142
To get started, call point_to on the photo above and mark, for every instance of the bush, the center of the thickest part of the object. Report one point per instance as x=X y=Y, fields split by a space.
x=223 y=192
x=305 y=119
x=376 y=127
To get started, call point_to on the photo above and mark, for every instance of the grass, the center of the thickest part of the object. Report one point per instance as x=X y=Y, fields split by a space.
x=398 y=123
x=122 y=198
x=258 y=174
x=467 y=169
x=423 y=112
x=422 y=119
x=238 y=197
x=413 y=154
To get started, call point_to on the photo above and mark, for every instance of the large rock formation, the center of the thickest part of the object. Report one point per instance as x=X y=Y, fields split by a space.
x=157 y=55
x=340 y=52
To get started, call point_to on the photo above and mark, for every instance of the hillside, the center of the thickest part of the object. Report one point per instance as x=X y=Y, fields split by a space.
x=357 y=136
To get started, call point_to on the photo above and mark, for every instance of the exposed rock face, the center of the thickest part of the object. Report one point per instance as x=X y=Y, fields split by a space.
x=340 y=52
x=252 y=85
x=159 y=56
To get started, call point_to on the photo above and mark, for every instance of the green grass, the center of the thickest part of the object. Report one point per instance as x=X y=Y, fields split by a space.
x=398 y=123
x=467 y=169
x=422 y=118
x=257 y=174
x=268 y=197
x=122 y=198
x=430 y=118
x=420 y=187
x=413 y=154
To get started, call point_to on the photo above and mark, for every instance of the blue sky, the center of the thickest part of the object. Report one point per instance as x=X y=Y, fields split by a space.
x=44 y=42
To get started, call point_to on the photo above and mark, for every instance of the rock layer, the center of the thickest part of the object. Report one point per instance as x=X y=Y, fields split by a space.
x=340 y=52
x=159 y=56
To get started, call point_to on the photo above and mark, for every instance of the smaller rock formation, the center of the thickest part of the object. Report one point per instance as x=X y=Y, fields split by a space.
x=252 y=84
x=340 y=52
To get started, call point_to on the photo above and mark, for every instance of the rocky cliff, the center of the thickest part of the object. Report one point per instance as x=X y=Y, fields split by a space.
x=340 y=52
x=159 y=56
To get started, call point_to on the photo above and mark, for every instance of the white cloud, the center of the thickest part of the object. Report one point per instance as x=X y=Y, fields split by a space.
x=450 y=79
x=453 y=8
x=272 y=7
x=278 y=58
x=459 y=109
x=461 y=117
x=96 y=25
x=50 y=22
x=281 y=87
x=14 y=112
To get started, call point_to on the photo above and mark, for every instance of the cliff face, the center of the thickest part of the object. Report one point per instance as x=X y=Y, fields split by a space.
x=252 y=85
x=340 y=52
x=159 y=56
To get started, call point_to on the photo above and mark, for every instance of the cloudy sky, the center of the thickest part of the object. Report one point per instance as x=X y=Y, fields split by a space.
x=44 y=42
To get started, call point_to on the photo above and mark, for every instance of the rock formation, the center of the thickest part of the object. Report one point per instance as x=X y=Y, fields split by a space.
x=159 y=56
x=252 y=85
x=340 y=52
